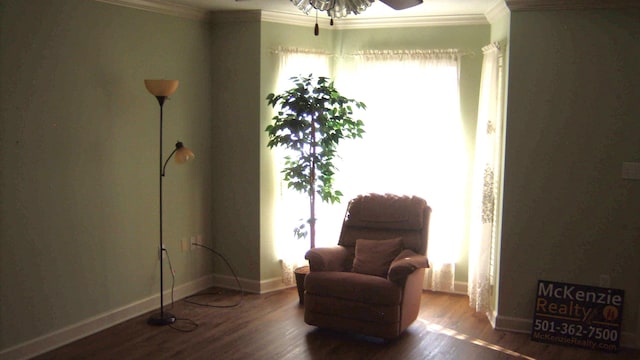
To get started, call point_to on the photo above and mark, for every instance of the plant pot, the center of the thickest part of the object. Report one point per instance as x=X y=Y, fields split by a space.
x=301 y=273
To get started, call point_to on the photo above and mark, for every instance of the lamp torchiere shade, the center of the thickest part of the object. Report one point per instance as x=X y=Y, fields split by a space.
x=161 y=87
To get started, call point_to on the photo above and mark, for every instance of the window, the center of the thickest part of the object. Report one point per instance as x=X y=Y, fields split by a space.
x=414 y=143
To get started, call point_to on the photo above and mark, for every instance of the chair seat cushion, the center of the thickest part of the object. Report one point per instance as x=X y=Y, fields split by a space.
x=353 y=286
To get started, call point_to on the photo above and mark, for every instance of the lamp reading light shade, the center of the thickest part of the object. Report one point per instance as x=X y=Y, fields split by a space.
x=183 y=154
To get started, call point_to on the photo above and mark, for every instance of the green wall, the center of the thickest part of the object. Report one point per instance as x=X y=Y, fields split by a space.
x=235 y=107
x=572 y=120
x=79 y=159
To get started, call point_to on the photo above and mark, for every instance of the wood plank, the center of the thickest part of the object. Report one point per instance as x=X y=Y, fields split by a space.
x=271 y=326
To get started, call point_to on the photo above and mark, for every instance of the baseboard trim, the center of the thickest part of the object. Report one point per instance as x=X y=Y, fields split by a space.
x=513 y=324
x=99 y=322
x=461 y=288
x=252 y=286
x=492 y=315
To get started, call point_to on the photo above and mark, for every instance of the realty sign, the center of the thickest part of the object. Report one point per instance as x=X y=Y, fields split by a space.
x=578 y=315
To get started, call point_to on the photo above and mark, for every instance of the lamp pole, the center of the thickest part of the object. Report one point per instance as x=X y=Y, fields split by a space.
x=161 y=89
x=163 y=318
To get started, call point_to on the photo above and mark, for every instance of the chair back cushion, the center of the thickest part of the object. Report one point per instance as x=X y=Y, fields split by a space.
x=373 y=257
x=383 y=217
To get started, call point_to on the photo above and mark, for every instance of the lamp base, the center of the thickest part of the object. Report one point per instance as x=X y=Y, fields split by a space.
x=161 y=319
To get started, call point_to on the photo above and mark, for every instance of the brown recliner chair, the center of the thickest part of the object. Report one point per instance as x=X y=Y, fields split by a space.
x=371 y=282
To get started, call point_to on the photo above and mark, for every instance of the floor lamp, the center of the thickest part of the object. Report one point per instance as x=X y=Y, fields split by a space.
x=161 y=89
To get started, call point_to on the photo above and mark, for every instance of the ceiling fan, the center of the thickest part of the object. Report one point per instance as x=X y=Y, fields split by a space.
x=401 y=4
x=395 y=4
x=340 y=8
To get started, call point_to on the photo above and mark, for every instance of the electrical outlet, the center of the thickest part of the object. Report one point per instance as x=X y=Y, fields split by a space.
x=162 y=254
x=184 y=244
x=193 y=242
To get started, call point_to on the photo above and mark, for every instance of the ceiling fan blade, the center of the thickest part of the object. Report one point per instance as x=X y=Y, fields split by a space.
x=402 y=4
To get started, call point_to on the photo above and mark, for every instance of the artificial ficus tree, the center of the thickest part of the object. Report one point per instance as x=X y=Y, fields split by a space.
x=312 y=119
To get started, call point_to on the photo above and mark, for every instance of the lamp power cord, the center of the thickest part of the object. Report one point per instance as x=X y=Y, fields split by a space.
x=189 y=300
x=190 y=324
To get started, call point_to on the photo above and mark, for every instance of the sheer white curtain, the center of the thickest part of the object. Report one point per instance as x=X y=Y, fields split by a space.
x=487 y=172
x=413 y=145
x=292 y=208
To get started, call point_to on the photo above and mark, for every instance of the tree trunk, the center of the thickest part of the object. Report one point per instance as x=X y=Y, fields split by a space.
x=312 y=187
x=312 y=219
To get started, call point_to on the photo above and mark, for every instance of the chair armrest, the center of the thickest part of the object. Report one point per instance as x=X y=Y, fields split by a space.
x=404 y=264
x=335 y=258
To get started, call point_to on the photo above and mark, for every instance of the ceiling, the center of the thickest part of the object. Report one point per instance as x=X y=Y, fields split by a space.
x=377 y=10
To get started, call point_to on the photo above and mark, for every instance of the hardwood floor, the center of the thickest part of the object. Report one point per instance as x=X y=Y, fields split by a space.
x=271 y=326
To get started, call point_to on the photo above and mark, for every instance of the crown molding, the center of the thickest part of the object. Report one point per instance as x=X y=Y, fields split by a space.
x=533 y=5
x=167 y=7
x=497 y=11
x=162 y=7
x=218 y=17
x=411 y=21
x=355 y=22
x=294 y=19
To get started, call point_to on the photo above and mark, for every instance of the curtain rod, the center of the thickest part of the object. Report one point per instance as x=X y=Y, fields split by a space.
x=295 y=50
x=413 y=52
